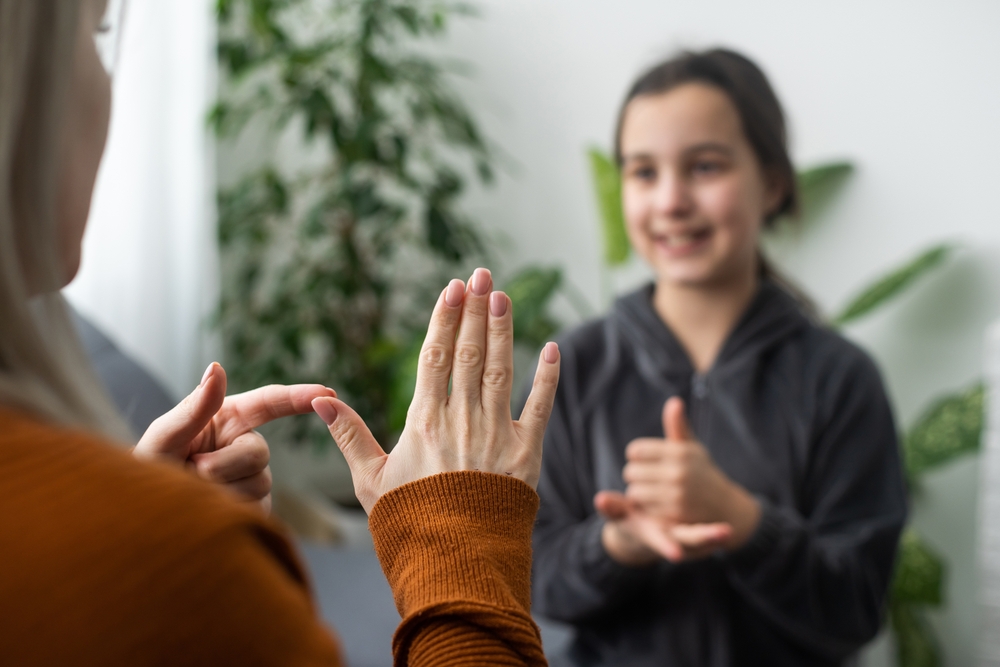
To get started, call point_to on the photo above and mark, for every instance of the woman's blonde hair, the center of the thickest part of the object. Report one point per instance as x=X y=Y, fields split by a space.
x=43 y=368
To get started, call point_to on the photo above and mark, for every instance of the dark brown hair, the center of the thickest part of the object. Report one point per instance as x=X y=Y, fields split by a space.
x=750 y=93
x=763 y=124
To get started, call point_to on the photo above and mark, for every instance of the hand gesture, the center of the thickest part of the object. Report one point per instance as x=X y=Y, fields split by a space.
x=214 y=434
x=677 y=504
x=470 y=342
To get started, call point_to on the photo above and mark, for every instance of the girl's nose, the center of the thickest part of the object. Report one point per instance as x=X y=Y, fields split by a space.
x=673 y=196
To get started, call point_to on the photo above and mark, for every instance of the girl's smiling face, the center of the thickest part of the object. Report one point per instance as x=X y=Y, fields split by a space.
x=693 y=192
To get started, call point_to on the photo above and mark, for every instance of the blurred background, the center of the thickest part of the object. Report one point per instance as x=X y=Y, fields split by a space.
x=287 y=192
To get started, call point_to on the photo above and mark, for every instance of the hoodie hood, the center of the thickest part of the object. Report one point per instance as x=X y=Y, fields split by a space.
x=772 y=316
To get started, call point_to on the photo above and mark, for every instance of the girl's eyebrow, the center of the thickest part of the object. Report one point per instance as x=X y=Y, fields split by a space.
x=709 y=146
x=705 y=146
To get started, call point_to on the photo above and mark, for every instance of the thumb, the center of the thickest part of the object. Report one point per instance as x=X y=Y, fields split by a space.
x=174 y=433
x=612 y=505
x=675 y=423
x=350 y=433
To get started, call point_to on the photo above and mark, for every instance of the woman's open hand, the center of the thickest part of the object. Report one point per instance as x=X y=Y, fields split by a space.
x=470 y=342
x=214 y=434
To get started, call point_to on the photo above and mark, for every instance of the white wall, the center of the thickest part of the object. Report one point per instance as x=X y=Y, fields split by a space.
x=910 y=91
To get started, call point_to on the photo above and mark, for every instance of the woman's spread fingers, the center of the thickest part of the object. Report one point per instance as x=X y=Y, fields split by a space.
x=538 y=407
x=434 y=366
x=178 y=432
x=246 y=456
x=498 y=373
x=470 y=346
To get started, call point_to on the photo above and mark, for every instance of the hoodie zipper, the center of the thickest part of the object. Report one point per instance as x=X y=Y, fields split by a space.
x=699 y=396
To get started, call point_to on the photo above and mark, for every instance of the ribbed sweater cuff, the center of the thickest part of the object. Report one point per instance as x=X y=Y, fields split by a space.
x=459 y=536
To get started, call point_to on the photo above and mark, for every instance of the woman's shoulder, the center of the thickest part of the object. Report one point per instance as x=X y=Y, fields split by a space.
x=69 y=464
x=117 y=543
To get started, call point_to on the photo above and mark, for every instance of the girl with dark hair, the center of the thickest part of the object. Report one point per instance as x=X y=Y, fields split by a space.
x=721 y=482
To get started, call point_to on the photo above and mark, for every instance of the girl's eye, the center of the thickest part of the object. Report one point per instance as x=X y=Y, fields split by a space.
x=644 y=173
x=702 y=168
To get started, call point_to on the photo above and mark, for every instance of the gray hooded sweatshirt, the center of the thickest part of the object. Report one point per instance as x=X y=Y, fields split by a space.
x=790 y=411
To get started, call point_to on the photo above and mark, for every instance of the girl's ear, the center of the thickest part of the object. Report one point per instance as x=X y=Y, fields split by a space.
x=776 y=189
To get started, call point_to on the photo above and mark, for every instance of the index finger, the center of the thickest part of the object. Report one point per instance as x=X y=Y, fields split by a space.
x=645 y=449
x=244 y=412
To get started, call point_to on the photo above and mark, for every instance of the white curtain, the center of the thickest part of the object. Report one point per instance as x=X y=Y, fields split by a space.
x=149 y=272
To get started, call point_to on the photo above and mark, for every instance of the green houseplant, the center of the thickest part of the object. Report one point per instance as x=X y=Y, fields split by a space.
x=949 y=428
x=331 y=261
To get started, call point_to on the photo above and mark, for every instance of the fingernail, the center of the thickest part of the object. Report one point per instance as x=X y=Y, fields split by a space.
x=208 y=374
x=454 y=292
x=480 y=281
x=498 y=304
x=325 y=410
x=550 y=353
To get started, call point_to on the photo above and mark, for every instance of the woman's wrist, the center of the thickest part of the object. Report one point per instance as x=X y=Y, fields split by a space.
x=625 y=549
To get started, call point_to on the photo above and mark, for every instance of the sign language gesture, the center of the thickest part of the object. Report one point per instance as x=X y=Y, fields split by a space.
x=677 y=504
x=470 y=342
x=214 y=434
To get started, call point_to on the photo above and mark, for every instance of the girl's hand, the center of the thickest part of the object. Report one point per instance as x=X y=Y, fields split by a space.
x=469 y=429
x=678 y=503
x=635 y=537
x=214 y=435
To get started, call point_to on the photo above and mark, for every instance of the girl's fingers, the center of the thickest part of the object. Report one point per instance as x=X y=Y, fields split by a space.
x=434 y=367
x=646 y=449
x=244 y=457
x=538 y=407
x=645 y=494
x=664 y=544
x=498 y=372
x=701 y=535
x=612 y=505
x=470 y=346
x=642 y=471
x=675 y=423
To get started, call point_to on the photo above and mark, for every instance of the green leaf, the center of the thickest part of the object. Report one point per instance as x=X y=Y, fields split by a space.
x=608 y=185
x=919 y=574
x=892 y=284
x=404 y=383
x=817 y=184
x=916 y=644
x=949 y=428
x=530 y=292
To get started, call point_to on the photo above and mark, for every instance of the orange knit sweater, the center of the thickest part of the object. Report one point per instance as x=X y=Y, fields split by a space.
x=105 y=560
